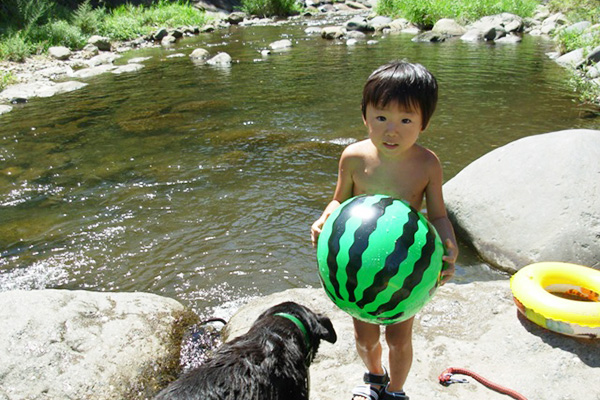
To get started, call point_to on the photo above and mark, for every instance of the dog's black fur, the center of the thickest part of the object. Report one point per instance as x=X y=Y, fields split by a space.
x=270 y=362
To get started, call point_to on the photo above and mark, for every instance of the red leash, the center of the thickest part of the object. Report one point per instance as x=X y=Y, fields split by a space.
x=446 y=379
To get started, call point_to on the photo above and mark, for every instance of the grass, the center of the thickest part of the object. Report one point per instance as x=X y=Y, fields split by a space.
x=32 y=26
x=15 y=48
x=568 y=41
x=6 y=78
x=580 y=10
x=424 y=13
x=128 y=22
x=269 y=8
x=577 y=10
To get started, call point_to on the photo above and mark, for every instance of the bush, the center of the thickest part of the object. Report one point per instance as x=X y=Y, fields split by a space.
x=588 y=93
x=88 y=19
x=123 y=27
x=173 y=14
x=28 y=26
x=59 y=33
x=425 y=13
x=128 y=21
x=577 y=10
x=6 y=78
x=25 y=14
x=568 y=41
x=15 y=48
x=269 y=8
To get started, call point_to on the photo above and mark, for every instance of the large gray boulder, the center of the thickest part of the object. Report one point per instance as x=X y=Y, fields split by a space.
x=474 y=326
x=535 y=199
x=59 y=344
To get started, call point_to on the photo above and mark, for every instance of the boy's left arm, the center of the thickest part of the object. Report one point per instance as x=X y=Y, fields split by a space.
x=436 y=212
x=444 y=229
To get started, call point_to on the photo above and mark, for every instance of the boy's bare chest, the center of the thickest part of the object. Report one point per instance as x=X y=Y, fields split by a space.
x=396 y=180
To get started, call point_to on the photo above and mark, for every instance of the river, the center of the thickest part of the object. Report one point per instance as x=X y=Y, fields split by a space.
x=200 y=183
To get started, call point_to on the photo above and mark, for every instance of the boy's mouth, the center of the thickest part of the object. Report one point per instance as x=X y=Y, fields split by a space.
x=390 y=145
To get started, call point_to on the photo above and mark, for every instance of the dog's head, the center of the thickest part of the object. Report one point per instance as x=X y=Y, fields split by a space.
x=317 y=327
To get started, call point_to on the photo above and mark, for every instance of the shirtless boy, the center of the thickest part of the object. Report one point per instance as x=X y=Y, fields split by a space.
x=399 y=99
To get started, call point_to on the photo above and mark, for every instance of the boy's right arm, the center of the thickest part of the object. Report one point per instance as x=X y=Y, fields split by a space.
x=343 y=191
x=315 y=229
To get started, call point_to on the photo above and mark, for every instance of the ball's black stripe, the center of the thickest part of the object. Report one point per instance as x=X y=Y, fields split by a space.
x=327 y=291
x=393 y=261
x=411 y=280
x=360 y=244
x=333 y=244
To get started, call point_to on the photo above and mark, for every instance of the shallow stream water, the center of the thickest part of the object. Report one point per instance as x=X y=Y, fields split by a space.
x=200 y=183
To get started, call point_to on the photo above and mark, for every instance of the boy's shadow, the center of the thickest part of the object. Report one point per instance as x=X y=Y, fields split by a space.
x=588 y=350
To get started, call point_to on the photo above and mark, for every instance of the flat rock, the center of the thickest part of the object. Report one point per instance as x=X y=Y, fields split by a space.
x=60 y=344
x=39 y=89
x=130 y=67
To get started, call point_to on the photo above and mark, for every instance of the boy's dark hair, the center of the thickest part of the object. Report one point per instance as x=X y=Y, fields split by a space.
x=410 y=85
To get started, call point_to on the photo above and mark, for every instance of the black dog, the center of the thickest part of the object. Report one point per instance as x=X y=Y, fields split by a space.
x=270 y=362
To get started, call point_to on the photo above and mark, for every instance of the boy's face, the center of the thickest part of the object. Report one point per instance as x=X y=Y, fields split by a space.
x=393 y=129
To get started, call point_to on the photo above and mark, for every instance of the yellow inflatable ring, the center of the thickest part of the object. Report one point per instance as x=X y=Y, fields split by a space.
x=561 y=297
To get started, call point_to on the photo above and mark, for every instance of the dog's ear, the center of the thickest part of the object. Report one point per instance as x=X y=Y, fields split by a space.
x=325 y=330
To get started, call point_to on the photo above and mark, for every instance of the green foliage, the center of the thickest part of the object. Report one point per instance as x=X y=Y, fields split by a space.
x=15 y=48
x=128 y=21
x=177 y=14
x=568 y=41
x=580 y=10
x=123 y=26
x=577 y=10
x=269 y=8
x=588 y=93
x=424 y=13
x=88 y=19
x=29 y=26
x=58 y=33
x=25 y=14
x=6 y=78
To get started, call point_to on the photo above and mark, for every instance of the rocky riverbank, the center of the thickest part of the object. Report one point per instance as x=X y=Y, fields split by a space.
x=60 y=344
x=474 y=326
x=62 y=71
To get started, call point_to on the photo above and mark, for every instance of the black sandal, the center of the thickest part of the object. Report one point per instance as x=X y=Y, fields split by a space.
x=385 y=395
x=369 y=390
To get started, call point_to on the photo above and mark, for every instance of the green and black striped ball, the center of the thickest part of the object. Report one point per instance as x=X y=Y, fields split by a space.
x=379 y=259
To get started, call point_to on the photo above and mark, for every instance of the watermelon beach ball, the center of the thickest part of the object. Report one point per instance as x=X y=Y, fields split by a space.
x=379 y=259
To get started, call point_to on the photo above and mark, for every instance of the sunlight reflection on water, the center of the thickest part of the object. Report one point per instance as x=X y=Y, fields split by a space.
x=201 y=183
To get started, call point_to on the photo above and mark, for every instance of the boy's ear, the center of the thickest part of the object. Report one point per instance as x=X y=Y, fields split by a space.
x=364 y=120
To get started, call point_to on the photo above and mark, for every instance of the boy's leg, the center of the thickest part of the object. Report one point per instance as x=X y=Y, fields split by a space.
x=369 y=350
x=368 y=345
x=399 y=340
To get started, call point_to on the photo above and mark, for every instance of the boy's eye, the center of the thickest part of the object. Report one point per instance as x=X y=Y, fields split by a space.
x=381 y=118
x=406 y=121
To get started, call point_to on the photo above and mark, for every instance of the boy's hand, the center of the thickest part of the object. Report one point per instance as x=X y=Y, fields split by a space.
x=315 y=231
x=449 y=259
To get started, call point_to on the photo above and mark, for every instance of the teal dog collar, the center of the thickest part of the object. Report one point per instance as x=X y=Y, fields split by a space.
x=299 y=324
